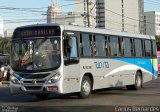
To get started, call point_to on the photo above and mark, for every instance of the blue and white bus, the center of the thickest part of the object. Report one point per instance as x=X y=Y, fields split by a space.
x=52 y=58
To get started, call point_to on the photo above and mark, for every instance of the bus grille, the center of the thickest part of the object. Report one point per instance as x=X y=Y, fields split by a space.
x=31 y=82
x=33 y=88
x=34 y=76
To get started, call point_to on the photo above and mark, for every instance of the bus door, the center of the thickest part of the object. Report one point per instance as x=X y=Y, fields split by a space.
x=71 y=69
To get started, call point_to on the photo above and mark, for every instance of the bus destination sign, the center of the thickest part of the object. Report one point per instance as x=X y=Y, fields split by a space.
x=37 y=32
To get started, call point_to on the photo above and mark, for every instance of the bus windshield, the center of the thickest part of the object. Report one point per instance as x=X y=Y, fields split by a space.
x=40 y=53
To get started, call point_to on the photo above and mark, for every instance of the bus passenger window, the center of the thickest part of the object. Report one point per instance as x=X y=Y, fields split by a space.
x=73 y=53
x=138 y=47
x=154 y=52
x=100 y=45
x=114 y=44
x=70 y=46
x=127 y=47
x=85 y=45
x=148 y=52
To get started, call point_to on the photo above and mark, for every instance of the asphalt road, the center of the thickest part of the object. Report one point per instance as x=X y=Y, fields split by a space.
x=108 y=100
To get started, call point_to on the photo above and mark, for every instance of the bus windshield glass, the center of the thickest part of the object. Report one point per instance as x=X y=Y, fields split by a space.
x=34 y=54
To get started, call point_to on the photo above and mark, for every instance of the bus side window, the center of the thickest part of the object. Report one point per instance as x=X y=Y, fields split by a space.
x=114 y=44
x=154 y=52
x=73 y=52
x=85 y=40
x=148 y=51
x=70 y=46
x=127 y=47
x=138 y=47
x=100 y=45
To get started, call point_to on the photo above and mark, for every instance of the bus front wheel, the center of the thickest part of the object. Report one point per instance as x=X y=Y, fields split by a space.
x=86 y=87
x=138 y=82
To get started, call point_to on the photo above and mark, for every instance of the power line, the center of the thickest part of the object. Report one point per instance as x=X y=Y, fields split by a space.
x=33 y=9
x=29 y=20
x=128 y=17
x=21 y=20
x=114 y=21
x=25 y=21
x=93 y=7
x=26 y=8
x=71 y=4
x=21 y=9
x=17 y=13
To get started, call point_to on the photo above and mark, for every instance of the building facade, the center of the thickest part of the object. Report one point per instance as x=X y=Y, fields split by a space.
x=119 y=15
x=152 y=23
x=53 y=11
x=82 y=7
x=55 y=15
x=1 y=27
x=8 y=33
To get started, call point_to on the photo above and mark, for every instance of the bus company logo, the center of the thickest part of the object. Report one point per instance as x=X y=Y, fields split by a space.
x=101 y=65
x=34 y=82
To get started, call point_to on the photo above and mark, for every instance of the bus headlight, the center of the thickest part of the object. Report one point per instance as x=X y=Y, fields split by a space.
x=14 y=80
x=54 y=78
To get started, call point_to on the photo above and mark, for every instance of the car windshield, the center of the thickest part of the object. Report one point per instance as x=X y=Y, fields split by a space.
x=37 y=54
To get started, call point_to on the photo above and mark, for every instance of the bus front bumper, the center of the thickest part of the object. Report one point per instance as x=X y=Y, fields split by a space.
x=31 y=89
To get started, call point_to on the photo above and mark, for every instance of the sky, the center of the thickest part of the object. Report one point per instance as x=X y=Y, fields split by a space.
x=22 y=12
x=16 y=17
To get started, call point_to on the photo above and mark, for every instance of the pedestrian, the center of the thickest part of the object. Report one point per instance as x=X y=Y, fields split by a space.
x=8 y=72
x=1 y=72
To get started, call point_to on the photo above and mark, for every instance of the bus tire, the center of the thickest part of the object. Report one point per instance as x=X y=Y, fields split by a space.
x=42 y=96
x=138 y=82
x=86 y=87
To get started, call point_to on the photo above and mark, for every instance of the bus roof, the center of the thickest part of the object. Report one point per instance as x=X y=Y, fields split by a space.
x=106 y=31
x=91 y=30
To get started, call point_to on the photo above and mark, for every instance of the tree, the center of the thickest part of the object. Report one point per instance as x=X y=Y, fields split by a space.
x=5 y=45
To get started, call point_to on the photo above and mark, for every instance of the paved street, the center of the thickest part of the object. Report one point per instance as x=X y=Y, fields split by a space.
x=148 y=96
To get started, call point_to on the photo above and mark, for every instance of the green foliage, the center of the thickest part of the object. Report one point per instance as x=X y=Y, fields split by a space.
x=5 y=45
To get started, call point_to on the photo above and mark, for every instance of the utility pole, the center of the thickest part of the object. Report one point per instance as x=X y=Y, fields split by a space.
x=88 y=13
